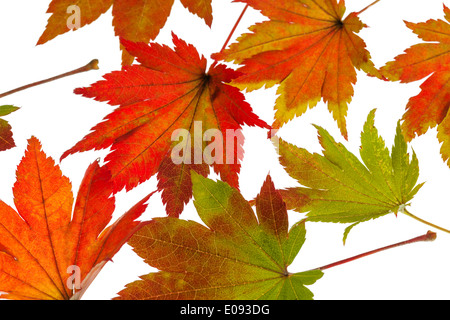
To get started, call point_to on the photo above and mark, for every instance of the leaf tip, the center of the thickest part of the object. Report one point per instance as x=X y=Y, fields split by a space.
x=34 y=142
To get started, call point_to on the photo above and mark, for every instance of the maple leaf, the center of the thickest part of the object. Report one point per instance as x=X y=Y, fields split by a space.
x=430 y=107
x=6 y=135
x=309 y=49
x=134 y=20
x=236 y=256
x=44 y=246
x=338 y=187
x=169 y=92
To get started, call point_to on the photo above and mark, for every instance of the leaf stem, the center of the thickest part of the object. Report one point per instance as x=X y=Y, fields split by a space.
x=90 y=66
x=429 y=236
x=234 y=28
x=232 y=32
x=373 y=3
x=409 y=214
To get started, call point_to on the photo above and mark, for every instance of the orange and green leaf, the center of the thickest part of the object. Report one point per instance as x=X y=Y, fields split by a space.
x=430 y=107
x=236 y=256
x=309 y=49
x=45 y=244
x=134 y=20
x=169 y=92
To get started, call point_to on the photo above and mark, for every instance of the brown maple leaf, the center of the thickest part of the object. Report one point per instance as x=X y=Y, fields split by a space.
x=48 y=251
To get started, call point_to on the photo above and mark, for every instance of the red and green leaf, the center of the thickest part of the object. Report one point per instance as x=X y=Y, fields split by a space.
x=6 y=135
x=236 y=256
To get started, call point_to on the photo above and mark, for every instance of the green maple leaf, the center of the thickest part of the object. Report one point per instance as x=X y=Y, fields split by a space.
x=235 y=256
x=338 y=187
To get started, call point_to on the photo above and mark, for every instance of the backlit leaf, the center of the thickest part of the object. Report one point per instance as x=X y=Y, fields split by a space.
x=6 y=135
x=167 y=106
x=49 y=250
x=134 y=20
x=432 y=58
x=236 y=256
x=307 y=47
x=338 y=187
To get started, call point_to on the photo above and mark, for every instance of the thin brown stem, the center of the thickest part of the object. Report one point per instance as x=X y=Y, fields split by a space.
x=373 y=3
x=429 y=236
x=409 y=214
x=93 y=65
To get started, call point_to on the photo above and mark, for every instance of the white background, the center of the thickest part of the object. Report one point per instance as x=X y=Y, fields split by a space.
x=59 y=118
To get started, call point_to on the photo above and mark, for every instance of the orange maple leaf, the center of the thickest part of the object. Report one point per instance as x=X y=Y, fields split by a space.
x=134 y=20
x=169 y=91
x=309 y=49
x=48 y=252
x=431 y=106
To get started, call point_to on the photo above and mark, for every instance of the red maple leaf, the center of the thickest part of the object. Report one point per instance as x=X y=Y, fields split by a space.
x=170 y=91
